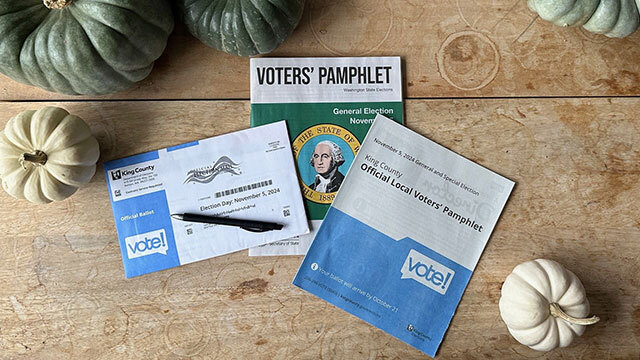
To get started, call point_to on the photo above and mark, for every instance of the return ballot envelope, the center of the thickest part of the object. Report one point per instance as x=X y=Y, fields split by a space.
x=402 y=237
x=247 y=175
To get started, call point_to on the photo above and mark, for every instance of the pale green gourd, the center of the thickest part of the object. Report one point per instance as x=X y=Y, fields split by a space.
x=88 y=47
x=242 y=27
x=613 y=18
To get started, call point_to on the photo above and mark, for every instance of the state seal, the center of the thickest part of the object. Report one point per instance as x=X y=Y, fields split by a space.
x=323 y=154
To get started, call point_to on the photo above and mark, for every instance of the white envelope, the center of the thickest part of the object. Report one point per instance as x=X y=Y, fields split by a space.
x=248 y=174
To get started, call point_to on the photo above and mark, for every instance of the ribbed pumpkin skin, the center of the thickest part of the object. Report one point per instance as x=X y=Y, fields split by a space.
x=90 y=47
x=613 y=18
x=66 y=140
x=524 y=304
x=242 y=27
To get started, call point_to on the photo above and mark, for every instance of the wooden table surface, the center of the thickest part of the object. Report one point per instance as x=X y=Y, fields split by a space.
x=555 y=109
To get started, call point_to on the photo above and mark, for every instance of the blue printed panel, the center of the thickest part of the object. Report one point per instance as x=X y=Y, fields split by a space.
x=182 y=146
x=145 y=234
x=401 y=287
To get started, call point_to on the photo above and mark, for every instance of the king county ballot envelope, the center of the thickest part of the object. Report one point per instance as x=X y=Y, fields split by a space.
x=248 y=175
x=403 y=235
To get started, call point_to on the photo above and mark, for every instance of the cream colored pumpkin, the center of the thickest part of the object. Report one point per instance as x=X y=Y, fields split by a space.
x=46 y=155
x=613 y=18
x=544 y=305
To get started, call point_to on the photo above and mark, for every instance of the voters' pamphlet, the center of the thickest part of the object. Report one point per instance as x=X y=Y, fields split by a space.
x=247 y=175
x=401 y=239
x=329 y=105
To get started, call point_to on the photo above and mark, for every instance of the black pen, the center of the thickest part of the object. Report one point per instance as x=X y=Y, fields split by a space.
x=249 y=225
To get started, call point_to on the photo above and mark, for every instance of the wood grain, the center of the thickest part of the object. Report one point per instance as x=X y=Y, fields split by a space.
x=450 y=48
x=576 y=163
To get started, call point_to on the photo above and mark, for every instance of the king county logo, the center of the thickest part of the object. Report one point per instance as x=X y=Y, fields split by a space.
x=326 y=158
x=206 y=174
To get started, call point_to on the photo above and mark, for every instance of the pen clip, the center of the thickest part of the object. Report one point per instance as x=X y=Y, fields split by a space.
x=256 y=230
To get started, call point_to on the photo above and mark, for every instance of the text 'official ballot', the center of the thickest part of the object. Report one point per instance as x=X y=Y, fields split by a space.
x=401 y=239
x=247 y=175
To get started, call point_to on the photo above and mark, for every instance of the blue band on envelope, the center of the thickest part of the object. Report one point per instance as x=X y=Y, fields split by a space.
x=147 y=244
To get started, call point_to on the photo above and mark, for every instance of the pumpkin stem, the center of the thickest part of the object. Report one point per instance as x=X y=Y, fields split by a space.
x=56 y=4
x=556 y=311
x=38 y=157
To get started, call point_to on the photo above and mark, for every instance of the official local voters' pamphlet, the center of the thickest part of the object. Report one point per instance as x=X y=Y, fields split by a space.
x=248 y=175
x=399 y=243
x=329 y=105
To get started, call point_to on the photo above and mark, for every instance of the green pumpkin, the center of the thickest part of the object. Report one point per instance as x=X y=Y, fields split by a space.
x=613 y=18
x=87 y=47
x=242 y=27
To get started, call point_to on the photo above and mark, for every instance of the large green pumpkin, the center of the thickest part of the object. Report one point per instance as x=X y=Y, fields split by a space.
x=242 y=27
x=82 y=46
x=613 y=18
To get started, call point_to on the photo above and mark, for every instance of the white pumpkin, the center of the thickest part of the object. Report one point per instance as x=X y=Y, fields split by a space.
x=544 y=305
x=46 y=155
x=613 y=18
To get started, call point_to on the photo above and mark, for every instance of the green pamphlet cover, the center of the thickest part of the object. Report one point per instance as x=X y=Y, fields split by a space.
x=329 y=105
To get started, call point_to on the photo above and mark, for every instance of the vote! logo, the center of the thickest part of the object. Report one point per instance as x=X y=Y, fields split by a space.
x=427 y=272
x=152 y=242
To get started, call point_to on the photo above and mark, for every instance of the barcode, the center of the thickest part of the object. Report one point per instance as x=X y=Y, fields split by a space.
x=243 y=188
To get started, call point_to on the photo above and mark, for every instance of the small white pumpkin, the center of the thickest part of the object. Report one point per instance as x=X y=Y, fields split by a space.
x=544 y=305
x=613 y=18
x=46 y=155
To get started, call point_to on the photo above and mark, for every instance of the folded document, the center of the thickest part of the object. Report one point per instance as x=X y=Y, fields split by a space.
x=248 y=174
x=402 y=237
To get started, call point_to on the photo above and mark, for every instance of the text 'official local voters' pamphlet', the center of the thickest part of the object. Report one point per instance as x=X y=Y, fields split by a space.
x=399 y=243
x=329 y=105
x=247 y=175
